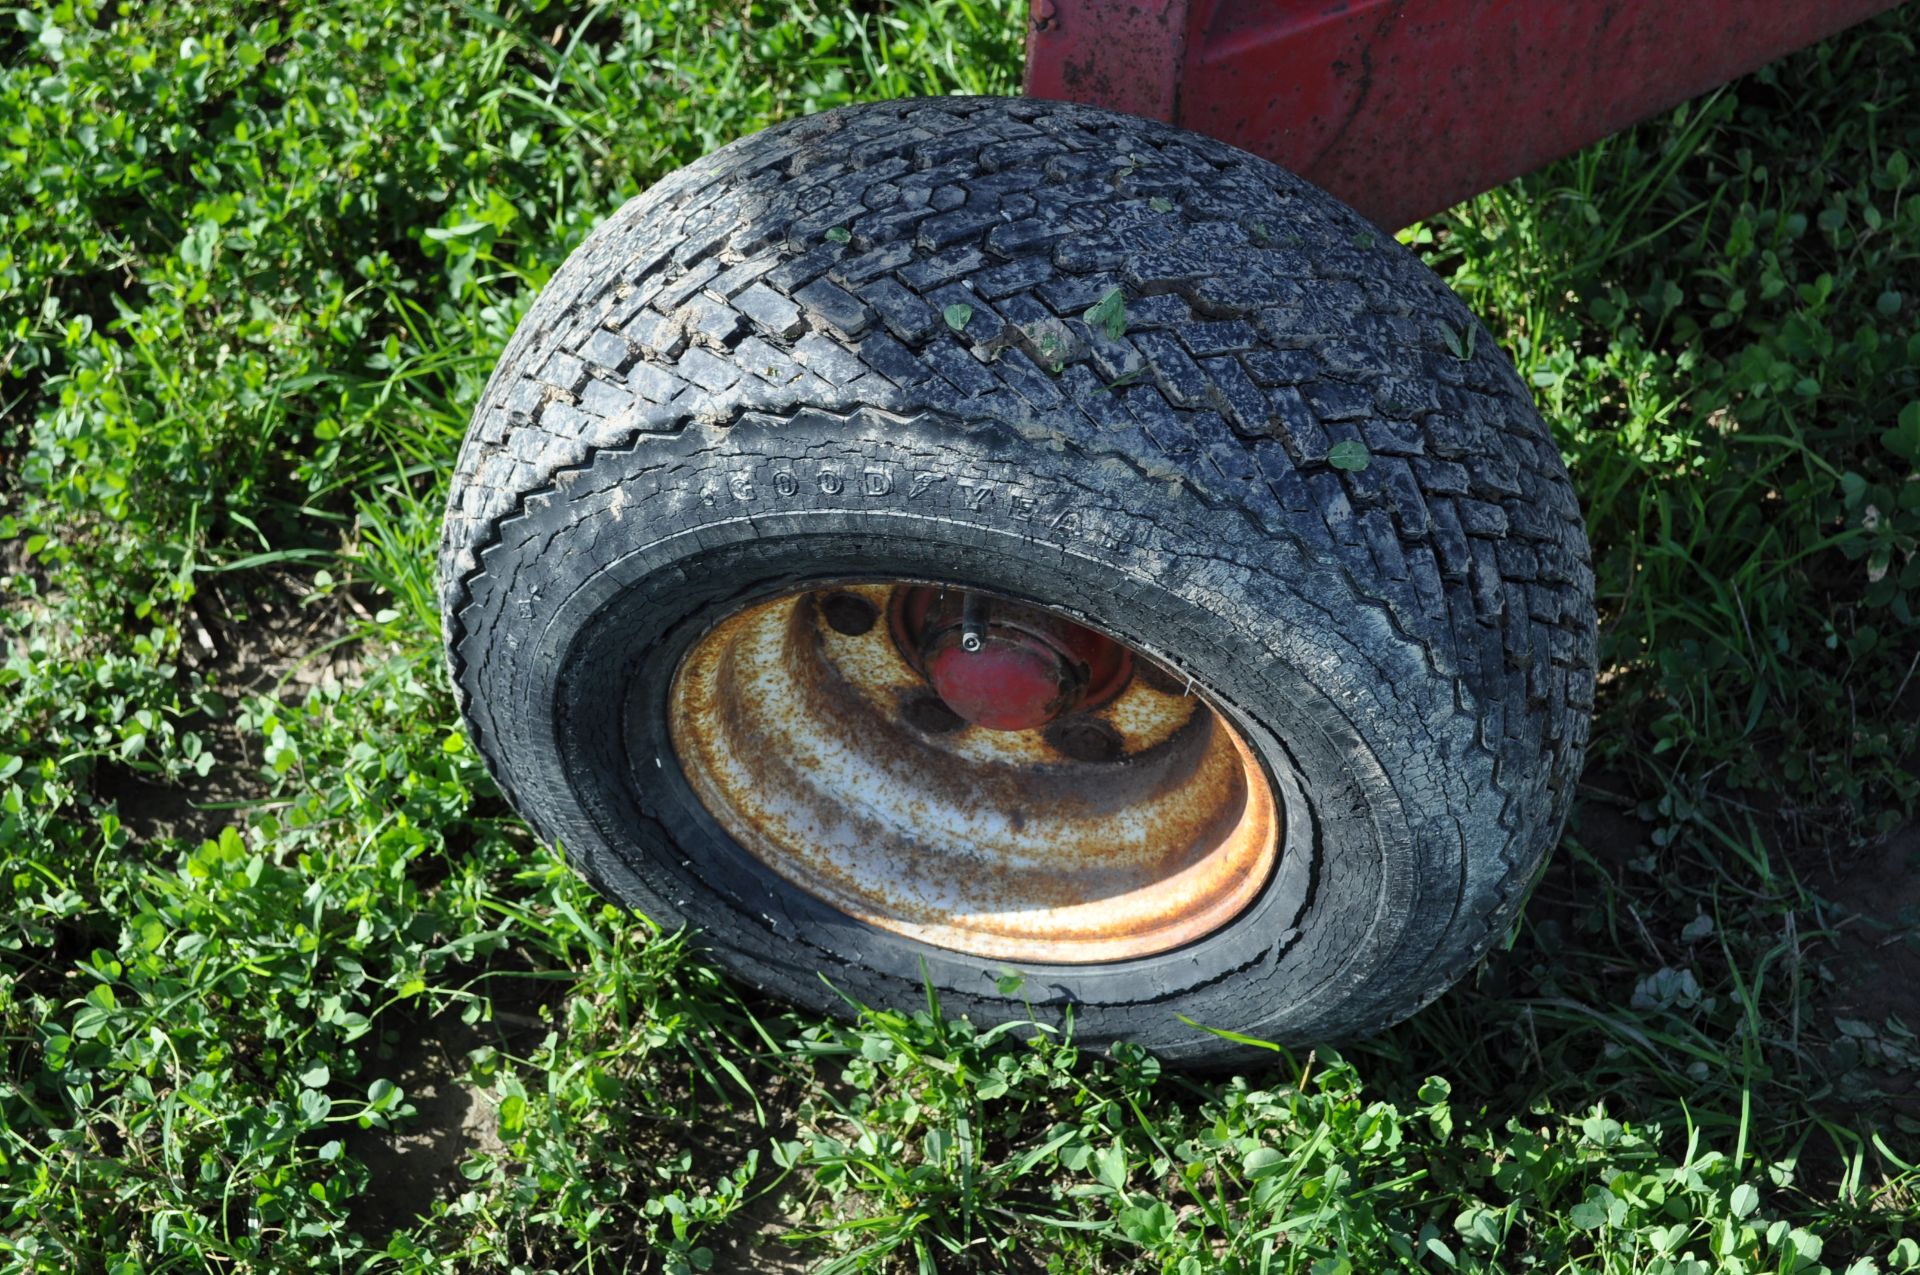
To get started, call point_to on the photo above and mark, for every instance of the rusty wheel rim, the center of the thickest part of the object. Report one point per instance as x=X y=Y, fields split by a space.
x=1132 y=820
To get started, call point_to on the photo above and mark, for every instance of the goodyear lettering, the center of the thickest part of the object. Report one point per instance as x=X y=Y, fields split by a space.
x=883 y=482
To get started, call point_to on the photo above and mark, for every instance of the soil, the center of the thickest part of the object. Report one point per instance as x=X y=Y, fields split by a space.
x=750 y=1240
x=275 y=636
x=1860 y=939
x=1875 y=918
x=417 y=1161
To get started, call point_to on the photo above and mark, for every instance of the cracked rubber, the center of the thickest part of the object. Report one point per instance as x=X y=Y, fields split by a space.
x=747 y=378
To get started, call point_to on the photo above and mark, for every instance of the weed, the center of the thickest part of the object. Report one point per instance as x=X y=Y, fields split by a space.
x=1459 y=344
x=1108 y=315
x=1349 y=454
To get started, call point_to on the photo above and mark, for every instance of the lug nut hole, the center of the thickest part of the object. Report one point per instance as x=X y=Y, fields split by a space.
x=848 y=613
x=930 y=716
x=1085 y=739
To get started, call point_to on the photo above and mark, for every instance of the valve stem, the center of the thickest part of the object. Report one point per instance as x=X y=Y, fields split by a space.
x=973 y=622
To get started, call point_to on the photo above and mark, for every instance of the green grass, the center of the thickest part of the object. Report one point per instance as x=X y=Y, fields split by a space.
x=254 y=268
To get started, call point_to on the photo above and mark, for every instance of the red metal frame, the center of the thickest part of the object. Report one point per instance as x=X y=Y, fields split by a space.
x=1405 y=107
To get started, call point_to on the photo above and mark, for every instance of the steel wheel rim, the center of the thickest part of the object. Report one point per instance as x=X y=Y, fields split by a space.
x=1133 y=823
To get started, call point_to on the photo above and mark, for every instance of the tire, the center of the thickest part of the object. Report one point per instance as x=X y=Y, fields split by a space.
x=721 y=396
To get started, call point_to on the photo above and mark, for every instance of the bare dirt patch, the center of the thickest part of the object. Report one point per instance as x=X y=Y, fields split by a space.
x=1875 y=997
x=269 y=635
x=417 y=1162
x=751 y=1239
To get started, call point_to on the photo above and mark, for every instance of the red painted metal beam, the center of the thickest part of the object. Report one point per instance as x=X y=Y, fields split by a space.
x=1405 y=107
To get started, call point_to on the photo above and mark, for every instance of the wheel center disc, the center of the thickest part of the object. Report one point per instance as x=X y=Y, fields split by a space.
x=1034 y=797
x=1001 y=684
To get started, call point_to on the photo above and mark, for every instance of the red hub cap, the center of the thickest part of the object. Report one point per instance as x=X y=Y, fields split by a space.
x=1003 y=666
x=1008 y=684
